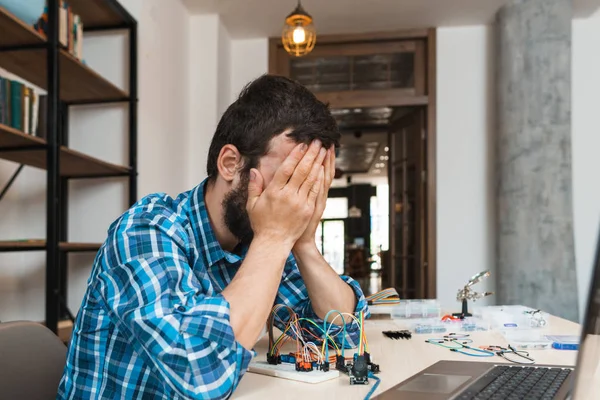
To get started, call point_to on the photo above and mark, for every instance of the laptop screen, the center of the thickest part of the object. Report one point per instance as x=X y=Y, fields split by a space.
x=588 y=361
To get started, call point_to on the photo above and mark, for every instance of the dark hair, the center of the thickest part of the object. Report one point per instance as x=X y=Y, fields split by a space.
x=265 y=108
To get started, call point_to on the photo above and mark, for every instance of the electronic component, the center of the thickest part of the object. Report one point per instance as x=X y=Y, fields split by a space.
x=274 y=360
x=404 y=334
x=304 y=366
x=374 y=368
x=359 y=371
x=288 y=371
x=287 y=358
x=315 y=356
x=340 y=363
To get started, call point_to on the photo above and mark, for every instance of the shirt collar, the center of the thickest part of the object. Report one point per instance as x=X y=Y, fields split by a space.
x=204 y=235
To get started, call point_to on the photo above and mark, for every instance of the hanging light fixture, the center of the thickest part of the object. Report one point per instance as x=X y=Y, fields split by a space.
x=299 y=35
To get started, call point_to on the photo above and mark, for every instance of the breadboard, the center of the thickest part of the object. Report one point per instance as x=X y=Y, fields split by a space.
x=288 y=371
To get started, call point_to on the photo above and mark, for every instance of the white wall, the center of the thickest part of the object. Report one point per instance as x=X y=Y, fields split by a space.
x=465 y=215
x=101 y=132
x=224 y=75
x=585 y=146
x=249 y=60
x=209 y=79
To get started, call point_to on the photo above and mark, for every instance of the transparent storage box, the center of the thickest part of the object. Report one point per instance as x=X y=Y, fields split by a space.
x=437 y=326
x=513 y=318
x=410 y=309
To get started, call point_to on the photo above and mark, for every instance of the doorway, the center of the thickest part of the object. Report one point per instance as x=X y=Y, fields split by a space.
x=381 y=90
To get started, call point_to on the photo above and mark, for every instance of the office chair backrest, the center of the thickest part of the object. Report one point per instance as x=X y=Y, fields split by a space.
x=32 y=359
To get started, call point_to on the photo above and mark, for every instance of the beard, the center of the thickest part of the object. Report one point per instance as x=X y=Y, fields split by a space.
x=234 y=211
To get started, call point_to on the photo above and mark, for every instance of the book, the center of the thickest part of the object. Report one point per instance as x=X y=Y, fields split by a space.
x=63 y=36
x=42 y=110
x=19 y=106
x=16 y=103
x=70 y=29
x=34 y=112
x=25 y=122
x=3 y=107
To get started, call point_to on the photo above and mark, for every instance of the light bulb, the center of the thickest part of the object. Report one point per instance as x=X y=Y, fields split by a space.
x=299 y=35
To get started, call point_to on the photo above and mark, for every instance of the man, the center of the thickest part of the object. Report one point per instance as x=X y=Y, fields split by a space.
x=182 y=288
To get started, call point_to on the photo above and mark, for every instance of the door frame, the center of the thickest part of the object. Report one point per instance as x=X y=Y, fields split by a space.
x=427 y=99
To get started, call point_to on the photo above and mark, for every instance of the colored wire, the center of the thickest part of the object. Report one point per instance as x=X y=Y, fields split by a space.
x=386 y=296
x=351 y=316
x=361 y=349
x=343 y=333
x=374 y=387
x=322 y=331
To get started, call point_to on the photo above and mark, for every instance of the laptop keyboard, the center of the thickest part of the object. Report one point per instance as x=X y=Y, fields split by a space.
x=516 y=383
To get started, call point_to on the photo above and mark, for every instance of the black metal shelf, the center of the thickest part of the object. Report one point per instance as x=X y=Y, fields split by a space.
x=41 y=244
x=42 y=61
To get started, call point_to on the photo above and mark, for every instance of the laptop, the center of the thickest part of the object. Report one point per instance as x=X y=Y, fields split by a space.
x=464 y=380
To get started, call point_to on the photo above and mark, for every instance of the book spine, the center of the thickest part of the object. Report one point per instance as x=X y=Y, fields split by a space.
x=71 y=26
x=25 y=112
x=2 y=102
x=42 y=114
x=62 y=29
x=78 y=37
x=16 y=104
x=8 y=94
x=35 y=107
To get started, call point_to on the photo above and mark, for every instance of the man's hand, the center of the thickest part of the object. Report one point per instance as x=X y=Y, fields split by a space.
x=279 y=214
x=326 y=290
x=281 y=211
x=308 y=236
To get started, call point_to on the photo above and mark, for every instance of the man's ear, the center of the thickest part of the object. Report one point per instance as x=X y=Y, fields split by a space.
x=229 y=161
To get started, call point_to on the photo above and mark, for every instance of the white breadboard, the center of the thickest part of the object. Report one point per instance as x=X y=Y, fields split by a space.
x=288 y=371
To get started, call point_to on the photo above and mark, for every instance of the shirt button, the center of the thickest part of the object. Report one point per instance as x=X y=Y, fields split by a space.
x=181 y=308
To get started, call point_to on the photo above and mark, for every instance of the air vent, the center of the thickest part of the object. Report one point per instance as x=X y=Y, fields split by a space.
x=356 y=72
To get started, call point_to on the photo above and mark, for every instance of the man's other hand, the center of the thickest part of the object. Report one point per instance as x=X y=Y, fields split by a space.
x=308 y=236
x=282 y=211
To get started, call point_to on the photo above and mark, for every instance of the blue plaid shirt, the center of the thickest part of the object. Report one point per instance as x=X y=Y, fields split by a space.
x=153 y=322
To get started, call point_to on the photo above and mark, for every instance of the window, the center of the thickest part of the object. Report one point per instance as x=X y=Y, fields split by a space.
x=336 y=208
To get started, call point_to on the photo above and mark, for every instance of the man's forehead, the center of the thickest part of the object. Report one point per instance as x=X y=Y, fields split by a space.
x=281 y=146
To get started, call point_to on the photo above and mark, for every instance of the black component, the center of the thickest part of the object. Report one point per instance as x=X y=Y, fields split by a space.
x=404 y=334
x=340 y=364
x=367 y=357
x=271 y=359
x=374 y=368
x=465 y=310
x=359 y=372
x=324 y=367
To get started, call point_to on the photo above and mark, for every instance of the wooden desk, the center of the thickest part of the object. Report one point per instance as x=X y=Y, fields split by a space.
x=398 y=360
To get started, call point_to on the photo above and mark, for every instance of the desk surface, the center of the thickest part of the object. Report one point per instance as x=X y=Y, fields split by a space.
x=398 y=360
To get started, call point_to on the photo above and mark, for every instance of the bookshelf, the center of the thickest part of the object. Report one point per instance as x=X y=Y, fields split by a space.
x=46 y=63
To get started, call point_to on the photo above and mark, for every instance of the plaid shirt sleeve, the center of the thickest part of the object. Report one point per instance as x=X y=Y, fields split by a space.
x=152 y=294
x=293 y=293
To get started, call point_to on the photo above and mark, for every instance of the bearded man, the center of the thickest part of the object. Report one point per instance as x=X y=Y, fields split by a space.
x=182 y=287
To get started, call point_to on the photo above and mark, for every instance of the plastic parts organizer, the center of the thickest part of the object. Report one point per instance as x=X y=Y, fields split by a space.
x=409 y=309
